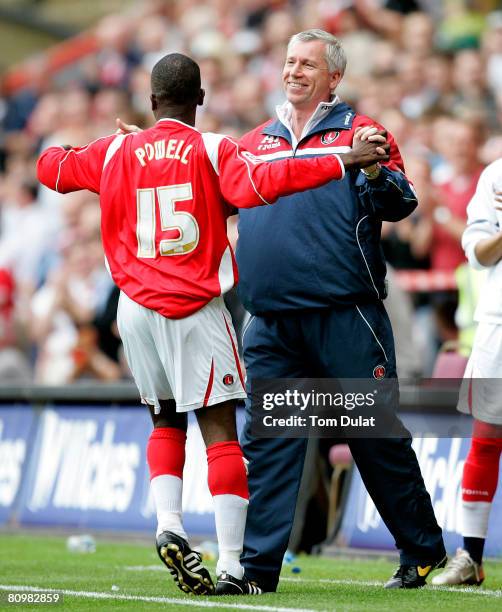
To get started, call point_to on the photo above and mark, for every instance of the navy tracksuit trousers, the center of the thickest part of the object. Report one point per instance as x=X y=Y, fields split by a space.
x=338 y=342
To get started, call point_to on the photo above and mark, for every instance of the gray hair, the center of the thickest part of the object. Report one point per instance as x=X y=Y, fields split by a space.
x=335 y=55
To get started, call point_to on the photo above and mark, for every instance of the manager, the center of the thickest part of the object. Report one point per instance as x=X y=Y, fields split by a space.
x=312 y=275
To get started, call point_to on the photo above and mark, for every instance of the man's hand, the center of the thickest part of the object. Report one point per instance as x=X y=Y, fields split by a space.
x=368 y=148
x=371 y=133
x=126 y=128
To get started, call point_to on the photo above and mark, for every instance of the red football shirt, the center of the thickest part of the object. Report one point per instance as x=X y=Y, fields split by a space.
x=165 y=195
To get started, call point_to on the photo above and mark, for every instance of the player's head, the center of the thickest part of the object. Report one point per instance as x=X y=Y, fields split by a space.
x=175 y=83
x=315 y=64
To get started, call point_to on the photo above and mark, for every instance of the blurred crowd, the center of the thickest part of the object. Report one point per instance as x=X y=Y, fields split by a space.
x=430 y=72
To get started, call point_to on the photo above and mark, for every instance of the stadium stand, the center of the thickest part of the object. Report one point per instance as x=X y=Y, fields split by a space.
x=428 y=88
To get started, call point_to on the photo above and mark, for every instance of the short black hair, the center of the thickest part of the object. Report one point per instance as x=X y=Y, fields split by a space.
x=176 y=79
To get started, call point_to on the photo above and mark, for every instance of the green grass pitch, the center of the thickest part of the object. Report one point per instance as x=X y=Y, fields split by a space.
x=129 y=576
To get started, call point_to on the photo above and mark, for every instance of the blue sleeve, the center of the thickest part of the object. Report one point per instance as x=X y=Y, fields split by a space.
x=390 y=196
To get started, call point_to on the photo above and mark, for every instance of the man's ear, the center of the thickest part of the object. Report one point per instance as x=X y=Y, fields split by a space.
x=200 y=100
x=154 y=102
x=335 y=79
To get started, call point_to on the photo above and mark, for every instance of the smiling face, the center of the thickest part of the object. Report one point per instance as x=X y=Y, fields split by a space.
x=306 y=78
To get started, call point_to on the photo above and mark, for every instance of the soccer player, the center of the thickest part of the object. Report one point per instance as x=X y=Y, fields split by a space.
x=325 y=318
x=482 y=243
x=164 y=196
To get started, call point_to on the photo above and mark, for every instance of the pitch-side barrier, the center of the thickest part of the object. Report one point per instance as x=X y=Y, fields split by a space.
x=74 y=457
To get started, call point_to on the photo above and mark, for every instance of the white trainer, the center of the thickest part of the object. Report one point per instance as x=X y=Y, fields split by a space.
x=460 y=569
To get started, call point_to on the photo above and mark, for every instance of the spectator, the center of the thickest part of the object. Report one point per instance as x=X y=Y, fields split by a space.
x=440 y=231
x=20 y=210
x=492 y=49
x=114 y=60
x=471 y=90
x=65 y=305
x=403 y=242
x=439 y=79
x=417 y=98
x=247 y=103
x=418 y=33
x=447 y=219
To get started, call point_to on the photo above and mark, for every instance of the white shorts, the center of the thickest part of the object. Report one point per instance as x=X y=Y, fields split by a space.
x=481 y=389
x=193 y=360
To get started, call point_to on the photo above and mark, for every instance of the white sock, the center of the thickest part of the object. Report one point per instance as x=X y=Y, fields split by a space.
x=475 y=517
x=167 y=492
x=230 y=517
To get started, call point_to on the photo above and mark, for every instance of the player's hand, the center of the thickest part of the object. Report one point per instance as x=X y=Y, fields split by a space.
x=498 y=199
x=126 y=128
x=369 y=147
x=371 y=133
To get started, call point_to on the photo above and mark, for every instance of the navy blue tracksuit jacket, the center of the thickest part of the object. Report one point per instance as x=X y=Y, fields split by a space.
x=312 y=274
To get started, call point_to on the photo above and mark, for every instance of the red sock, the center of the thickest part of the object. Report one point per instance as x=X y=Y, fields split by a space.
x=481 y=470
x=226 y=470
x=165 y=452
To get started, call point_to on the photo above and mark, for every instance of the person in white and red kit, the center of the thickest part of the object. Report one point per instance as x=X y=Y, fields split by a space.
x=481 y=391
x=165 y=196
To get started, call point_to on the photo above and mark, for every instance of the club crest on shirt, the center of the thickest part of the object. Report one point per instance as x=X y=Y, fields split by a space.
x=328 y=137
x=228 y=380
x=379 y=372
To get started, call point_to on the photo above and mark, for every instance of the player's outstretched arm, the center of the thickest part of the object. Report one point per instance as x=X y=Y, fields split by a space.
x=247 y=181
x=67 y=168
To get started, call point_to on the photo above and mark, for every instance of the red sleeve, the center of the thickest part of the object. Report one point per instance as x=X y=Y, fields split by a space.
x=247 y=181
x=66 y=170
x=396 y=161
